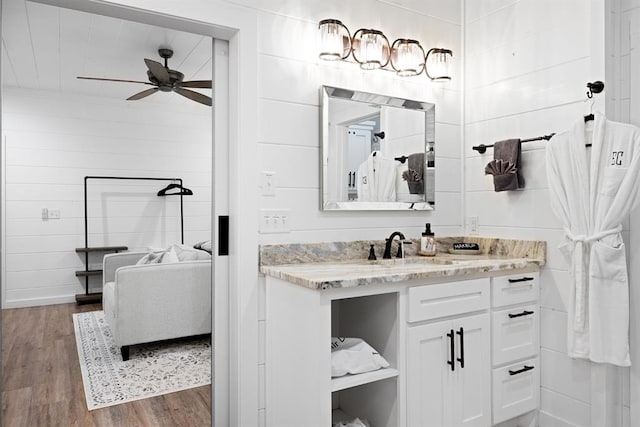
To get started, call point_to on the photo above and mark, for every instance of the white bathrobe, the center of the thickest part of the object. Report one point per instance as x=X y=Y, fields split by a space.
x=376 y=179
x=591 y=198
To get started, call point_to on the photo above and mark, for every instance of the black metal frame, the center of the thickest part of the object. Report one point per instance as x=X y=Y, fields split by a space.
x=86 y=216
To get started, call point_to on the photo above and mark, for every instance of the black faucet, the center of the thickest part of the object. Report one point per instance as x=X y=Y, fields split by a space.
x=387 y=247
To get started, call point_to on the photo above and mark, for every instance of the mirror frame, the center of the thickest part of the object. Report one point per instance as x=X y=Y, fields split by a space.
x=330 y=92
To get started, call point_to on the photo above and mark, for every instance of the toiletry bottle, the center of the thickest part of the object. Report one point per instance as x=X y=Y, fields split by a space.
x=427 y=242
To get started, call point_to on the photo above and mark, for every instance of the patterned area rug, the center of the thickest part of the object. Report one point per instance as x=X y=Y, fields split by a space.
x=152 y=369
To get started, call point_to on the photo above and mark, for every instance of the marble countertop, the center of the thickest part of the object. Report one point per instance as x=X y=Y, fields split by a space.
x=355 y=272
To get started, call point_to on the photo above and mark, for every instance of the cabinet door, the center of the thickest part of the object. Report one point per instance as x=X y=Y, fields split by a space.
x=429 y=376
x=472 y=390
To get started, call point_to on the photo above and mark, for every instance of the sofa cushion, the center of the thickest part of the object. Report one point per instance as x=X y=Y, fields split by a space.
x=174 y=253
x=186 y=253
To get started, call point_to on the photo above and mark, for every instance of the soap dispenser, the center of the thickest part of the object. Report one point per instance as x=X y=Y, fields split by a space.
x=427 y=242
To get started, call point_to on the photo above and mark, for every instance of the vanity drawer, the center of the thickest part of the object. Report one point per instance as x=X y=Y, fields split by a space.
x=515 y=333
x=515 y=289
x=516 y=389
x=447 y=299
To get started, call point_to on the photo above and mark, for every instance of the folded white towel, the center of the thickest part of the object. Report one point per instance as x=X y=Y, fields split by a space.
x=353 y=423
x=354 y=356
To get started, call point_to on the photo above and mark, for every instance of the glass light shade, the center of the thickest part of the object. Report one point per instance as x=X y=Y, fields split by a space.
x=371 y=49
x=437 y=63
x=335 y=40
x=407 y=57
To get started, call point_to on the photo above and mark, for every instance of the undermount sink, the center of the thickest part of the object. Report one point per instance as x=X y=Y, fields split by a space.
x=423 y=260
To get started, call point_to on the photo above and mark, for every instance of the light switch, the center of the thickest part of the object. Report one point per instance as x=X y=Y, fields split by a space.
x=268 y=183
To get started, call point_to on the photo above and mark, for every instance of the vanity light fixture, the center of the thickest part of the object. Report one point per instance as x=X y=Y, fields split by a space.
x=371 y=49
x=335 y=40
x=438 y=61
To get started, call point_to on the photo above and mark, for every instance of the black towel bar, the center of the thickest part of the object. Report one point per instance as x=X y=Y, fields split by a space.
x=482 y=148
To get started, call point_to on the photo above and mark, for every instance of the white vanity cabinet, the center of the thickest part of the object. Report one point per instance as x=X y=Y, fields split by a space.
x=461 y=353
x=515 y=325
x=448 y=361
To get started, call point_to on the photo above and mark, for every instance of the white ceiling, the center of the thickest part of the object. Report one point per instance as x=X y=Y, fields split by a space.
x=46 y=47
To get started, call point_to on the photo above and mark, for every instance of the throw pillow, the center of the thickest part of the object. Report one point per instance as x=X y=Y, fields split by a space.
x=151 y=258
x=185 y=253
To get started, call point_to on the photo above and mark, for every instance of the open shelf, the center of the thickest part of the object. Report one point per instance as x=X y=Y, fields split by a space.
x=102 y=249
x=84 y=273
x=348 y=381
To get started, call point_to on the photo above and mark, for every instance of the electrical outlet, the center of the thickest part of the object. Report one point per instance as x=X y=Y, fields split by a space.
x=473 y=225
x=274 y=221
x=45 y=213
x=54 y=213
x=268 y=183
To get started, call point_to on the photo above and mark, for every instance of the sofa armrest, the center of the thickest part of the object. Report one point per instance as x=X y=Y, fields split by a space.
x=111 y=262
x=162 y=301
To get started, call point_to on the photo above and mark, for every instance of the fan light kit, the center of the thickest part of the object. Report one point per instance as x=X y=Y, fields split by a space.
x=372 y=50
x=165 y=80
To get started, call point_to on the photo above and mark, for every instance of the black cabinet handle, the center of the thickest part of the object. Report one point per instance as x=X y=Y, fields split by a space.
x=519 y=371
x=524 y=313
x=523 y=279
x=452 y=346
x=461 y=358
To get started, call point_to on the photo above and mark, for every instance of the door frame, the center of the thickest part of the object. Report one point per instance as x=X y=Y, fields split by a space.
x=238 y=403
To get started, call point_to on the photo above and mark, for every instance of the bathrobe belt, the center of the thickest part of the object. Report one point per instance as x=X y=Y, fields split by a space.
x=579 y=315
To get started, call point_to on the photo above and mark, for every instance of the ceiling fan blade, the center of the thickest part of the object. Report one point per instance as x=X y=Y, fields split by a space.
x=194 y=96
x=204 y=84
x=158 y=70
x=114 y=80
x=142 y=94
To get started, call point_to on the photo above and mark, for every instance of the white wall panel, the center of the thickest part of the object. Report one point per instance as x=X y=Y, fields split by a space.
x=565 y=375
x=560 y=84
x=53 y=141
x=554 y=289
x=287 y=123
x=295 y=167
x=553 y=330
x=566 y=411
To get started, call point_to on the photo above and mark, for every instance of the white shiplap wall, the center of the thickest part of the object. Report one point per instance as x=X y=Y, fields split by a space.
x=627 y=59
x=289 y=79
x=290 y=76
x=526 y=70
x=52 y=140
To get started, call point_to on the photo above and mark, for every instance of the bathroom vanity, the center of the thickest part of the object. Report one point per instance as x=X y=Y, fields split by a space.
x=461 y=335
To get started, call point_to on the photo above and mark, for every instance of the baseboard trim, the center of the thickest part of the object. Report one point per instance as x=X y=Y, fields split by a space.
x=34 y=302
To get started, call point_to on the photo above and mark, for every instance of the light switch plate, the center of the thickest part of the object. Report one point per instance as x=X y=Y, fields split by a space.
x=275 y=221
x=268 y=183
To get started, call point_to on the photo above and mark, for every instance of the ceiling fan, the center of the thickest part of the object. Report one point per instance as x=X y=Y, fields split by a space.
x=165 y=80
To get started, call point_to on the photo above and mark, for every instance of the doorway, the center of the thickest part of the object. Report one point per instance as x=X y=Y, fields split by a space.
x=218 y=203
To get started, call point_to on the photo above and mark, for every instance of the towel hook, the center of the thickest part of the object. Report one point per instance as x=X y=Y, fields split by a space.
x=594 y=87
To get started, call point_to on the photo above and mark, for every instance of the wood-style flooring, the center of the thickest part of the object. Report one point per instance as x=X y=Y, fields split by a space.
x=42 y=383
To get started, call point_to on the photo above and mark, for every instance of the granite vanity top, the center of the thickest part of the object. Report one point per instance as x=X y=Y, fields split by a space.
x=344 y=264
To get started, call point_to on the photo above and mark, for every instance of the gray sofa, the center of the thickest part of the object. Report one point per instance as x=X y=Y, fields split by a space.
x=154 y=302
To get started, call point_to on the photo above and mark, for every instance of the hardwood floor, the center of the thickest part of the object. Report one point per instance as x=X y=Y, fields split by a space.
x=42 y=383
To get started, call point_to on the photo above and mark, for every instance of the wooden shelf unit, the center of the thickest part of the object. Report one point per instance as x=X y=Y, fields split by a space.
x=94 y=297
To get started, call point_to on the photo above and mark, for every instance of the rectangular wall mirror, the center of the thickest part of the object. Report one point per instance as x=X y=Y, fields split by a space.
x=378 y=152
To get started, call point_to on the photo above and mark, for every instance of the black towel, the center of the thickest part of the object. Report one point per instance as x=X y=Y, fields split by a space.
x=508 y=151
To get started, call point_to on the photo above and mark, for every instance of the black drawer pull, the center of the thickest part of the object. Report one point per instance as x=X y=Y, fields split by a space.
x=519 y=371
x=524 y=313
x=523 y=279
x=452 y=345
x=461 y=358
